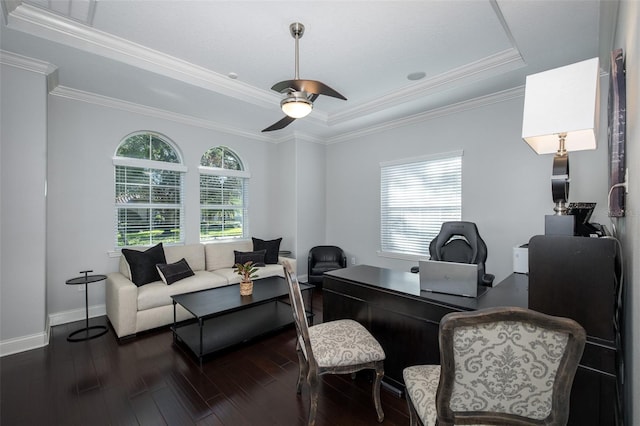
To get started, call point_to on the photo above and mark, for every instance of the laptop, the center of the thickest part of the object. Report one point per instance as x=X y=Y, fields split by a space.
x=459 y=279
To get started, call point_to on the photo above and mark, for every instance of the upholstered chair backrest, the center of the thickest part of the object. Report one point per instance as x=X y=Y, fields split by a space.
x=458 y=242
x=461 y=242
x=512 y=364
x=326 y=254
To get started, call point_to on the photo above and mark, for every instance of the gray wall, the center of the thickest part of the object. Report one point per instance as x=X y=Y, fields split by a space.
x=80 y=234
x=23 y=215
x=627 y=36
x=282 y=207
x=311 y=205
x=505 y=185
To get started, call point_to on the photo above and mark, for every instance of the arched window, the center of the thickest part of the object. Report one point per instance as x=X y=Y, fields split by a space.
x=223 y=195
x=149 y=194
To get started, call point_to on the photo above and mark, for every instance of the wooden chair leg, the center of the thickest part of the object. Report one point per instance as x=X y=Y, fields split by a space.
x=376 y=392
x=313 y=399
x=303 y=370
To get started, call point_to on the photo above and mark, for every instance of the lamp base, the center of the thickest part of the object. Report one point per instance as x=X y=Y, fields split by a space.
x=560 y=182
x=559 y=224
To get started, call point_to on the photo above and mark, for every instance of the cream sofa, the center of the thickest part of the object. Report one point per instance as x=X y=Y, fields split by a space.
x=132 y=309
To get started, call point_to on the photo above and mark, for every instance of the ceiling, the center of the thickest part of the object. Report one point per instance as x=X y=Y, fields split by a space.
x=176 y=58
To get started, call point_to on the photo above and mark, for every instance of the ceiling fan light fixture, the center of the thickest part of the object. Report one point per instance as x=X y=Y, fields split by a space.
x=296 y=105
x=300 y=93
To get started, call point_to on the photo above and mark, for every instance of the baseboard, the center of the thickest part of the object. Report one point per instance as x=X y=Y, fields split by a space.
x=76 y=315
x=38 y=340
x=24 y=343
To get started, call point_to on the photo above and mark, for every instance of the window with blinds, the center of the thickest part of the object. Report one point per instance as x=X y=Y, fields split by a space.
x=416 y=197
x=223 y=195
x=149 y=193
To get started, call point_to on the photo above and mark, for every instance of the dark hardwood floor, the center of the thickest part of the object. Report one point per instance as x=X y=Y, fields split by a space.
x=150 y=381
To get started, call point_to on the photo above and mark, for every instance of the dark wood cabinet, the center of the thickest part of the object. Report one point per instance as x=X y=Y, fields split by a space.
x=579 y=278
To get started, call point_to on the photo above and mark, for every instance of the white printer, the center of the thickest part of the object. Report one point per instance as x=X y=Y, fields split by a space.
x=521 y=259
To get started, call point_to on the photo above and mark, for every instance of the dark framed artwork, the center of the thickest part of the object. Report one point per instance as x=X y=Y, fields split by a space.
x=617 y=117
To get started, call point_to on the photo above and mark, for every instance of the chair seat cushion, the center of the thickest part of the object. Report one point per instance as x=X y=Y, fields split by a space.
x=342 y=343
x=321 y=267
x=421 y=382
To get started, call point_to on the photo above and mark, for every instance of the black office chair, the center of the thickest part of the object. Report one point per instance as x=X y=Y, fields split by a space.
x=324 y=259
x=461 y=242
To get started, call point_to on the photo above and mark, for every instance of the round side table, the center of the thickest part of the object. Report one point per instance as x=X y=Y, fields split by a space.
x=87 y=332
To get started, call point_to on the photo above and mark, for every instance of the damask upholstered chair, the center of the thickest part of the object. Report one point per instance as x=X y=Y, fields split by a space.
x=334 y=347
x=510 y=366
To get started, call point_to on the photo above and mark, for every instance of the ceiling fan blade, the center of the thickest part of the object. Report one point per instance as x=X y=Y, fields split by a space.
x=280 y=124
x=309 y=86
x=283 y=86
x=313 y=86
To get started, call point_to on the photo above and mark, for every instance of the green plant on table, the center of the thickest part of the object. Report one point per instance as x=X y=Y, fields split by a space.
x=246 y=270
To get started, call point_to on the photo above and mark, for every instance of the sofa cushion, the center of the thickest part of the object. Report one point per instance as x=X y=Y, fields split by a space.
x=158 y=293
x=257 y=257
x=272 y=247
x=142 y=264
x=192 y=253
x=172 y=272
x=220 y=254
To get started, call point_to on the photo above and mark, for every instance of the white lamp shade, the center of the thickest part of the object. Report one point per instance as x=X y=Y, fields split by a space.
x=562 y=100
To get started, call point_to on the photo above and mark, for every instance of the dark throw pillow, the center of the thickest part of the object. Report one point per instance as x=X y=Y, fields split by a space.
x=143 y=264
x=257 y=257
x=172 y=272
x=272 y=247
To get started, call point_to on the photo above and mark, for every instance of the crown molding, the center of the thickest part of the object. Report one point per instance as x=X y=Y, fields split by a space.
x=489 y=66
x=93 y=98
x=308 y=138
x=26 y=63
x=42 y=23
x=481 y=101
x=7 y=7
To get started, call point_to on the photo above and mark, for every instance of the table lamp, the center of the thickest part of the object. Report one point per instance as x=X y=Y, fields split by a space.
x=560 y=116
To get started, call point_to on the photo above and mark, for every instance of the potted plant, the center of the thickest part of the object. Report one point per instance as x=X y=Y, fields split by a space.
x=247 y=271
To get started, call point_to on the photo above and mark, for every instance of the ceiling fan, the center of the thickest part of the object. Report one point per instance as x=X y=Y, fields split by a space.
x=300 y=93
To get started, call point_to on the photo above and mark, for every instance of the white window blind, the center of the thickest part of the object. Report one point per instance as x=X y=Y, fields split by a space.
x=416 y=197
x=223 y=206
x=148 y=206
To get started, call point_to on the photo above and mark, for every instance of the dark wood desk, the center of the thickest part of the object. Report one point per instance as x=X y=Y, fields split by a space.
x=406 y=323
x=388 y=302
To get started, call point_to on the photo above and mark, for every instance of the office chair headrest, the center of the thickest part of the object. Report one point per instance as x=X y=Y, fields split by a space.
x=468 y=230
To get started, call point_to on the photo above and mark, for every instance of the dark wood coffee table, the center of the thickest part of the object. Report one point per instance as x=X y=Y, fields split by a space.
x=223 y=318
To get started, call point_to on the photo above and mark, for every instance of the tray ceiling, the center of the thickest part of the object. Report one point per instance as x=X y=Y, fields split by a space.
x=213 y=62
